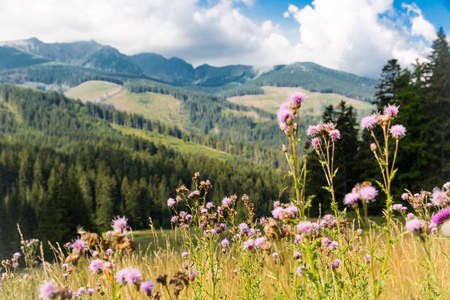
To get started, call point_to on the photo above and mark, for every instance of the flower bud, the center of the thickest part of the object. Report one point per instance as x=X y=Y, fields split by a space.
x=373 y=147
x=284 y=148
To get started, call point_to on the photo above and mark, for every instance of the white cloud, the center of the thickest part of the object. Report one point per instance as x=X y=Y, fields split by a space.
x=351 y=35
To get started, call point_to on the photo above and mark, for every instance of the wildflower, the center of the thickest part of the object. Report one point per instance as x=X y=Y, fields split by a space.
x=226 y=201
x=297 y=255
x=414 y=226
x=368 y=193
x=174 y=219
x=397 y=131
x=405 y=196
x=300 y=271
x=96 y=266
x=184 y=255
x=209 y=205
x=121 y=276
x=323 y=223
x=335 y=135
x=203 y=211
x=194 y=195
x=368 y=122
x=441 y=216
x=333 y=245
x=47 y=290
x=225 y=243
x=438 y=197
x=250 y=232
x=351 y=199
x=397 y=207
x=305 y=227
x=367 y=258
x=120 y=224
x=74 y=295
x=133 y=276
x=65 y=266
x=298 y=239
x=260 y=241
x=285 y=115
x=95 y=253
x=171 y=202
x=312 y=130
x=109 y=251
x=188 y=217
x=291 y=211
x=325 y=241
x=277 y=212
x=276 y=257
x=243 y=227
x=410 y=216
x=284 y=148
x=249 y=245
x=373 y=147
x=316 y=142
x=81 y=291
x=79 y=246
x=147 y=287
x=297 y=98
x=391 y=110
x=336 y=263
x=446 y=186
x=178 y=198
x=17 y=255
x=90 y=292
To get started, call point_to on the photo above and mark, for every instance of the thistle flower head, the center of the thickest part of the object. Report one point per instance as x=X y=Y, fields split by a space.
x=225 y=243
x=397 y=131
x=351 y=199
x=171 y=202
x=47 y=290
x=415 y=226
x=96 y=266
x=297 y=98
x=120 y=224
x=316 y=142
x=441 y=216
x=312 y=130
x=439 y=197
x=335 y=135
x=226 y=201
x=368 y=122
x=305 y=227
x=368 y=193
x=147 y=287
x=391 y=110
x=249 y=245
x=405 y=196
x=79 y=246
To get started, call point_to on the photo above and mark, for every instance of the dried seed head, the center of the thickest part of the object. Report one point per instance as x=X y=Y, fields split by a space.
x=162 y=278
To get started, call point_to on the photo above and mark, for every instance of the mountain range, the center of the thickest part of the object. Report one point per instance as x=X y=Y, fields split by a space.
x=69 y=64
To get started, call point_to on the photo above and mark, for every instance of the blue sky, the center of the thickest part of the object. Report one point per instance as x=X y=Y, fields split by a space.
x=356 y=36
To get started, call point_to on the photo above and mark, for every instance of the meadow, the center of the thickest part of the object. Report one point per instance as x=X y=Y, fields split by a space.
x=212 y=252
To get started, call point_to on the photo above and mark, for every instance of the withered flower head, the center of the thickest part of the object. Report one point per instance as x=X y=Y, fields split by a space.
x=162 y=278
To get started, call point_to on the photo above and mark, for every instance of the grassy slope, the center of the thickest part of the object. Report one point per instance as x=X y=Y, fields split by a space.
x=187 y=148
x=313 y=104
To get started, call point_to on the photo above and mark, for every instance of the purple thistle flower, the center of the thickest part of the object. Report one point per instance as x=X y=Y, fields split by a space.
x=391 y=110
x=316 y=142
x=81 y=291
x=335 y=135
x=368 y=193
x=174 y=219
x=133 y=276
x=91 y=291
x=297 y=254
x=351 y=199
x=109 y=252
x=438 y=197
x=368 y=122
x=17 y=255
x=96 y=266
x=75 y=295
x=184 y=255
x=291 y=211
x=410 y=216
x=120 y=224
x=312 y=130
x=278 y=212
x=367 y=258
x=147 y=287
x=188 y=217
x=297 y=98
x=336 y=263
x=226 y=201
x=285 y=116
x=171 y=202
x=203 y=211
x=441 y=216
x=305 y=227
x=397 y=131
x=333 y=245
x=446 y=186
x=47 y=290
x=405 y=196
x=414 y=225
x=209 y=205
x=259 y=241
x=250 y=232
x=79 y=246
x=397 y=207
x=249 y=245
x=95 y=253
x=323 y=223
x=225 y=243
x=325 y=241
x=300 y=271
x=243 y=227
x=65 y=266
x=194 y=194
x=298 y=239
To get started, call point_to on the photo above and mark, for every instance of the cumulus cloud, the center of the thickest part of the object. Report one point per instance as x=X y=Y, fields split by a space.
x=358 y=36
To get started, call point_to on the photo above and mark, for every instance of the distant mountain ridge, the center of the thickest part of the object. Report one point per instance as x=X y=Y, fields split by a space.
x=35 y=54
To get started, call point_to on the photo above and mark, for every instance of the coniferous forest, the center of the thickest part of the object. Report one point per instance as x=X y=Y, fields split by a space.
x=62 y=164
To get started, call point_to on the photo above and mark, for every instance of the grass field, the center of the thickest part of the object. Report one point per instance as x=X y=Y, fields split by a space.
x=314 y=103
